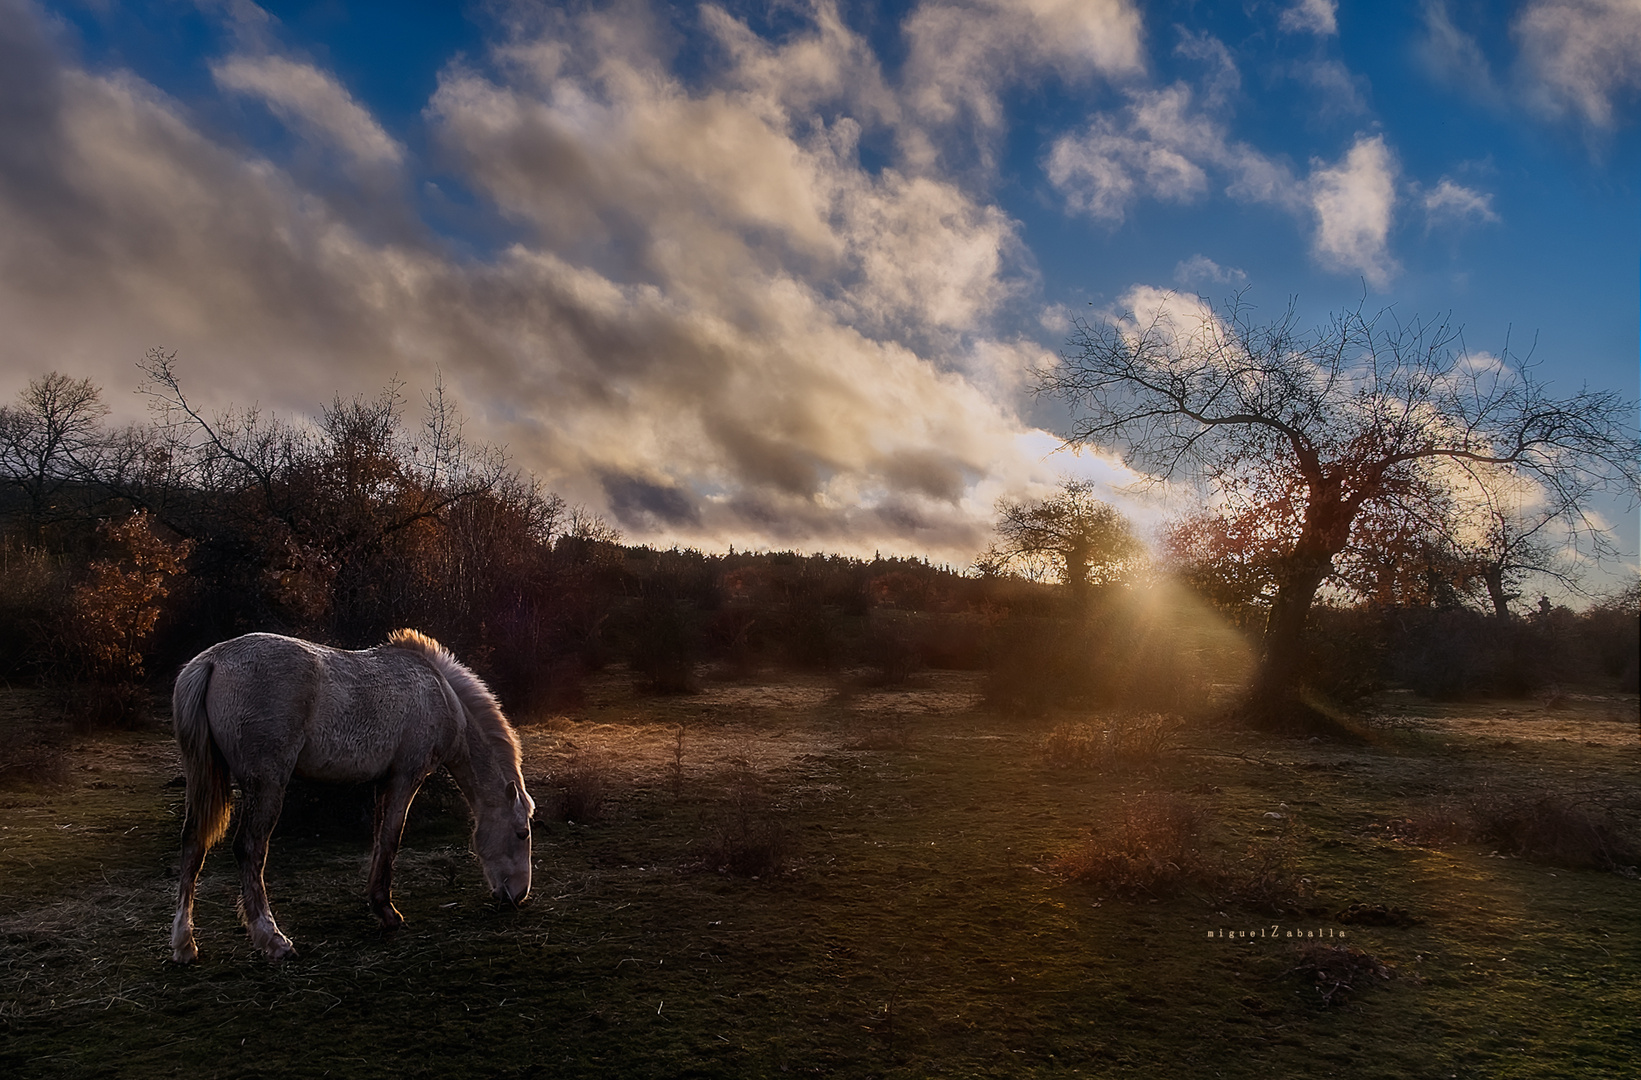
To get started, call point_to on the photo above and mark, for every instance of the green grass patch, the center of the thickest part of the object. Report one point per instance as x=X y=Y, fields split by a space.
x=916 y=922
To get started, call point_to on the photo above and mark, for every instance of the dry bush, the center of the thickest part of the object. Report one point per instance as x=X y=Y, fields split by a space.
x=1131 y=743
x=1545 y=827
x=1155 y=850
x=1152 y=849
x=1554 y=829
x=33 y=599
x=1337 y=971
x=117 y=606
x=92 y=705
x=582 y=789
x=1435 y=822
x=31 y=760
x=747 y=838
x=1266 y=876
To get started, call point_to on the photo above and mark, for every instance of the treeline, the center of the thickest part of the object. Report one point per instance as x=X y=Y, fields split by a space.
x=123 y=551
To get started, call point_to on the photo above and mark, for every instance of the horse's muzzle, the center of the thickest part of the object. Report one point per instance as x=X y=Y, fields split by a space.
x=508 y=898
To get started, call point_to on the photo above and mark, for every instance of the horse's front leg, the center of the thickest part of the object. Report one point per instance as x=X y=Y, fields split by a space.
x=392 y=806
x=259 y=811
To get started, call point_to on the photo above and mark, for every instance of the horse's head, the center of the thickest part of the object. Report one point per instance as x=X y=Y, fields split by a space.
x=501 y=836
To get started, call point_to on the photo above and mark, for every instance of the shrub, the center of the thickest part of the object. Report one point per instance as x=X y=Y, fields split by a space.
x=1152 y=849
x=1121 y=743
x=747 y=838
x=33 y=602
x=111 y=619
x=1545 y=827
x=582 y=788
x=1552 y=828
x=664 y=645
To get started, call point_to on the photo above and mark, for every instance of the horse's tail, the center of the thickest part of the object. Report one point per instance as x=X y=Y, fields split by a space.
x=210 y=791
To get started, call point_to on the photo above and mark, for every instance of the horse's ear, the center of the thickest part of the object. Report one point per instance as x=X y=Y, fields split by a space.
x=512 y=791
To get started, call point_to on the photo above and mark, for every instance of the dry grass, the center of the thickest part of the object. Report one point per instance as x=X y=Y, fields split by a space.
x=914 y=938
x=1553 y=828
x=1133 y=742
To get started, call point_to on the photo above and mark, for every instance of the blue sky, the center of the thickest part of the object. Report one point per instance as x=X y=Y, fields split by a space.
x=777 y=274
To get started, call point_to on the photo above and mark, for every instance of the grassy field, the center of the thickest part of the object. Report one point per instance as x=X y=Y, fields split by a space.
x=794 y=878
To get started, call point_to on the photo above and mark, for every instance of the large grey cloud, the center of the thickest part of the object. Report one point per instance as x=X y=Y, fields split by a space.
x=714 y=324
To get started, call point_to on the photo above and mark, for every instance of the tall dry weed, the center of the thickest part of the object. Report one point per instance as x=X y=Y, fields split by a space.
x=747 y=837
x=582 y=788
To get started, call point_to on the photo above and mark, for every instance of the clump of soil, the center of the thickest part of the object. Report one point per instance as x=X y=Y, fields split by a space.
x=1338 y=971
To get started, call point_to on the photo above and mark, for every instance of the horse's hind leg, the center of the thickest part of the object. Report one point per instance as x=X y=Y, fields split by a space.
x=183 y=949
x=259 y=805
x=392 y=806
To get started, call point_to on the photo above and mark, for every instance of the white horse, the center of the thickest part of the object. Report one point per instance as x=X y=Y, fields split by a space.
x=262 y=708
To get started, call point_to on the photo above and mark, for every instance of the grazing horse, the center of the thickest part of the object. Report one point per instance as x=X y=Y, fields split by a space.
x=263 y=708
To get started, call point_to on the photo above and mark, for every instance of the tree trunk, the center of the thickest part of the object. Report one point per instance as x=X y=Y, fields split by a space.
x=1274 y=697
x=1284 y=650
x=1494 y=576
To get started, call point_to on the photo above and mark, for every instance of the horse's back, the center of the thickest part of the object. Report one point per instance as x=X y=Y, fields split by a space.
x=282 y=705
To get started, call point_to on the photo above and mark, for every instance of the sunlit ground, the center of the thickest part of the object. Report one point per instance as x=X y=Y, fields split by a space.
x=916 y=926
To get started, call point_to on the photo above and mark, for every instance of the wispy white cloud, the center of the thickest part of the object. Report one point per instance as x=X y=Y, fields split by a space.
x=1200 y=270
x=1580 y=56
x=963 y=53
x=313 y=102
x=1453 y=203
x=1335 y=91
x=1453 y=57
x=1320 y=17
x=1160 y=146
x=1164 y=146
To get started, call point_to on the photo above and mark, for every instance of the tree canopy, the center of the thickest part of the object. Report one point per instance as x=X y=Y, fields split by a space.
x=1364 y=414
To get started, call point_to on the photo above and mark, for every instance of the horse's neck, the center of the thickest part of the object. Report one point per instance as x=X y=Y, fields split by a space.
x=478 y=767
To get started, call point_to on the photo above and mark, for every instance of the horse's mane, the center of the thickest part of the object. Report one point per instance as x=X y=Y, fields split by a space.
x=476 y=697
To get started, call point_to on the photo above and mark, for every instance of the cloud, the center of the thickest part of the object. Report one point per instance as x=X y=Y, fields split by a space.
x=1320 y=17
x=1580 y=56
x=1452 y=203
x=1336 y=92
x=1164 y=146
x=963 y=53
x=1200 y=270
x=1161 y=146
x=713 y=324
x=1453 y=57
x=1354 y=202
x=313 y=102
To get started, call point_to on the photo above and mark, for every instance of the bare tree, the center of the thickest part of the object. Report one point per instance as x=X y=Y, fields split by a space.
x=48 y=437
x=1508 y=533
x=1360 y=412
x=1072 y=535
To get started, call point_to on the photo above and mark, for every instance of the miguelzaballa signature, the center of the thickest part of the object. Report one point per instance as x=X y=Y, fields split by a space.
x=1275 y=930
